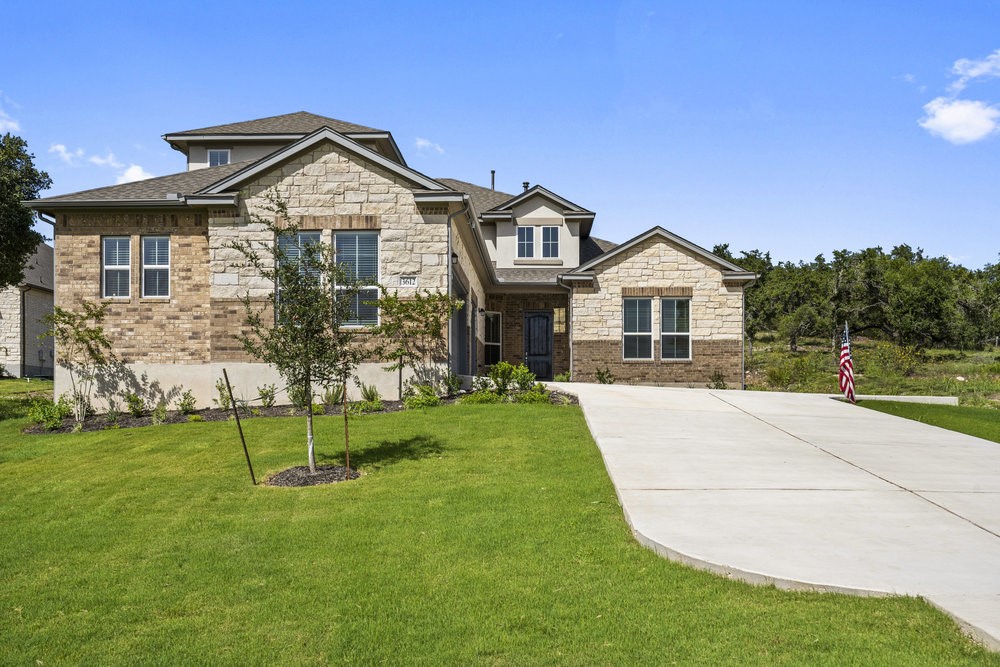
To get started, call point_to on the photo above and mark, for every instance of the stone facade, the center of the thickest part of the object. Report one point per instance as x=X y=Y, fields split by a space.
x=657 y=268
x=10 y=331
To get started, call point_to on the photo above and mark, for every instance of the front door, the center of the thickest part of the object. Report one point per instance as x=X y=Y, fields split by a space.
x=538 y=343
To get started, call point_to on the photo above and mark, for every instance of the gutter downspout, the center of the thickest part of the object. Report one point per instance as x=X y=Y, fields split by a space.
x=449 y=269
x=569 y=323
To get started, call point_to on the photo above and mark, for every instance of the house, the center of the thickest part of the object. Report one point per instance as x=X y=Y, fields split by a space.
x=22 y=309
x=537 y=286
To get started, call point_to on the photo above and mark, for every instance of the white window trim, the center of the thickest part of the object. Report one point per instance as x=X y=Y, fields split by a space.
x=105 y=267
x=227 y=151
x=558 y=242
x=649 y=334
x=517 y=242
x=676 y=333
x=499 y=343
x=378 y=279
x=142 y=254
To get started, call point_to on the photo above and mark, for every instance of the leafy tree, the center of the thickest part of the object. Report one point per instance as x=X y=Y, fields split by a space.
x=19 y=181
x=412 y=333
x=759 y=311
x=300 y=326
x=84 y=350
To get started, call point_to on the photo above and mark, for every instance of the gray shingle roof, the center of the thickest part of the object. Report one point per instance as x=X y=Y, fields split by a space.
x=185 y=183
x=300 y=122
x=529 y=275
x=592 y=247
x=482 y=198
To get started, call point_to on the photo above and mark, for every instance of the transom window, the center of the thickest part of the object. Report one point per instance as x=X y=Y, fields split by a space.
x=218 y=157
x=117 y=263
x=492 y=339
x=637 y=329
x=156 y=266
x=525 y=241
x=675 y=329
x=357 y=254
x=550 y=241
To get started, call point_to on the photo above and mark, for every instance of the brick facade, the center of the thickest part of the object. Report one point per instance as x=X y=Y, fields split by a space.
x=512 y=308
x=710 y=360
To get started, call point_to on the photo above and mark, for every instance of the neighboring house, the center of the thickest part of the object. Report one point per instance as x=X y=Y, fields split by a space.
x=537 y=287
x=22 y=309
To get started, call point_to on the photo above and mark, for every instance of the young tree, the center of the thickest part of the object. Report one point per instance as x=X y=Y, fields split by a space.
x=84 y=350
x=412 y=333
x=19 y=181
x=299 y=327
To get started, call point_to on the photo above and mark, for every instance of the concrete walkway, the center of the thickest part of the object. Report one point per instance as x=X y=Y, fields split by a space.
x=806 y=492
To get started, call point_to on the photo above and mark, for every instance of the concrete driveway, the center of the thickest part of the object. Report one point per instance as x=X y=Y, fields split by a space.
x=806 y=492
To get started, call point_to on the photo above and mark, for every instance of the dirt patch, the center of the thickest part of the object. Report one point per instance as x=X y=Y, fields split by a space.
x=300 y=476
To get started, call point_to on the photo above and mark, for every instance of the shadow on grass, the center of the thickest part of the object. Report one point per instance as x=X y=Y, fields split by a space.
x=388 y=452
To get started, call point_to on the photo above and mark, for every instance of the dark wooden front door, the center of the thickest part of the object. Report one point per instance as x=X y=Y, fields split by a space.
x=538 y=343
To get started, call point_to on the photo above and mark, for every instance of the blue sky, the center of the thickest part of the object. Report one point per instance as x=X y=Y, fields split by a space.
x=792 y=127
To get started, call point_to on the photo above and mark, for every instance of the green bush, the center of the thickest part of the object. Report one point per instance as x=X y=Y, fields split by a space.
x=421 y=396
x=333 y=395
x=452 y=383
x=160 y=413
x=297 y=396
x=481 y=397
x=318 y=409
x=223 y=400
x=267 y=393
x=886 y=358
x=186 y=404
x=48 y=414
x=605 y=376
x=562 y=377
x=195 y=418
x=537 y=394
x=370 y=393
x=364 y=407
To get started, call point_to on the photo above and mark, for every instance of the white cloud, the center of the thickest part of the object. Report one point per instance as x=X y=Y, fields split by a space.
x=426 y=144
x=968 y=70
x=960 y=121
x=8 y=124
x=133 y=173
x=67 y=156
x=108 y=161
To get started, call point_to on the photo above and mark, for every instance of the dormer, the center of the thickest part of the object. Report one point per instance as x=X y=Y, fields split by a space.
x=537 y=228
x=253 y=139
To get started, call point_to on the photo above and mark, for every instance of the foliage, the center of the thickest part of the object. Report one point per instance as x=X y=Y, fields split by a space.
x=299 y=398
x=412 y=331
x=84 y=350
x=187 y=403
x=562 y=377
x=135 y=404
x=268 y=394
x=159 y=414
x=421 y=396
x=886 y=358
x=367 y=406
x=452 y=383
x=369 y=392
x=50 y=414
x=333 y=394
x=537 y=394
x=507 y=383
x=605 y=376
x=507 y=378
x=222 y=399
x=19 y=181
x=318 y=409
x=717 y=381
x=300 y=327
x=195 y=418
x=481 y=396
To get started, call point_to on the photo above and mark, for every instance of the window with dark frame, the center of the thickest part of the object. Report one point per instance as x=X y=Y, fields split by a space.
x=156 y=266
x=117 y=266
x=218 y=157
x=550 y=241
x=675 y=329
x=493 y=338
x=525 y=242
x=357 y=254
x=637 y=328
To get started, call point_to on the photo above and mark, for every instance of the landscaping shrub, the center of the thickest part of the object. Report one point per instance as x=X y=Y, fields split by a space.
x=135 y=405
x=421 y=396
x=49 y=414
x=482 y=396
x=159 y=413
x=333 y=395
x=452 y=383
x=537 y=394
x=297 y=395
x=364 y=407
x=370 y=393
x=186 y=404
x=562 y=377
x=223 y=400
x=605 y=376
x=267 y=393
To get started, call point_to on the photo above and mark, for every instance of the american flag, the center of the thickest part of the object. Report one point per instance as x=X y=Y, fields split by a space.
x=846 y=375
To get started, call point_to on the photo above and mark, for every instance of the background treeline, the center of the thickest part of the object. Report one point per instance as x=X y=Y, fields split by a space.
x=902 y=296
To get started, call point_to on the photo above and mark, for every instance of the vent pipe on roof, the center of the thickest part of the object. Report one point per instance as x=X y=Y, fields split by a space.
x=525 y=184
x=493 y=179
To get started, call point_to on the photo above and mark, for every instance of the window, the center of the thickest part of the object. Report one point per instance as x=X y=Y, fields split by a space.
x=525 y=241
x=357 y=253
x=218 y=157
x=292 y=249
x=492 y=338
x=638 y=329
x=117 y=266
x=156 y=266
x=675 y=329
x=550 y=241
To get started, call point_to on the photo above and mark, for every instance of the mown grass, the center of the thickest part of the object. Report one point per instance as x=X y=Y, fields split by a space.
x=478 y=534
x=980 y=422
x=881 y=369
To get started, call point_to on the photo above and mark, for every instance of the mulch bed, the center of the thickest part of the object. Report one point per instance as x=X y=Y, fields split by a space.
x=300 y=476
x=126 y=420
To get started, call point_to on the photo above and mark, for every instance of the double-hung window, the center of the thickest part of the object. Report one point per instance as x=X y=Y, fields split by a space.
x=637 y=329
x=218 y=157
x=492 y=339
x=525 y=242
x=292 y=252
x=550 y=242
x=117 y=263
x=357 y=254
x=156 y=266
x=675 y=329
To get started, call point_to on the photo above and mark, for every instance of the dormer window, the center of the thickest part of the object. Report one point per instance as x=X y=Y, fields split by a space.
x=525 y=242
x=218 y=157
x=550 y=242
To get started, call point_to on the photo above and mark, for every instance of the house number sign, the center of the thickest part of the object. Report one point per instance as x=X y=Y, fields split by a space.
x=407 y=281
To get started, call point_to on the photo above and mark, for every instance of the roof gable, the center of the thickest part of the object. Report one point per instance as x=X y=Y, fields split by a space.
x=538 y=190
x=300 y=122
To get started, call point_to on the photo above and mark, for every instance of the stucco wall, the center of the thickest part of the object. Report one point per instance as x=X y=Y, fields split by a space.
x=39 y=355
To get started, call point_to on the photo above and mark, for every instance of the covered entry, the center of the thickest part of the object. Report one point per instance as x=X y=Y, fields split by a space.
x=538 y=343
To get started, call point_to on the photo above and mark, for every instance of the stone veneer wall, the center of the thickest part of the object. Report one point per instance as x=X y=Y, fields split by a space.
x=512 y=307
x=656 y=268
x=10 y=331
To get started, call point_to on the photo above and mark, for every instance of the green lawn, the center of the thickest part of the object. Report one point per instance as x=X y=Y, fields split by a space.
x=478 y=535
x=980 y=422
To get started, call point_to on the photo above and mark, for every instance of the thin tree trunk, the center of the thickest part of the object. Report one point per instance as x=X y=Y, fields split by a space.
x=309 y=428
x=347 y=435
